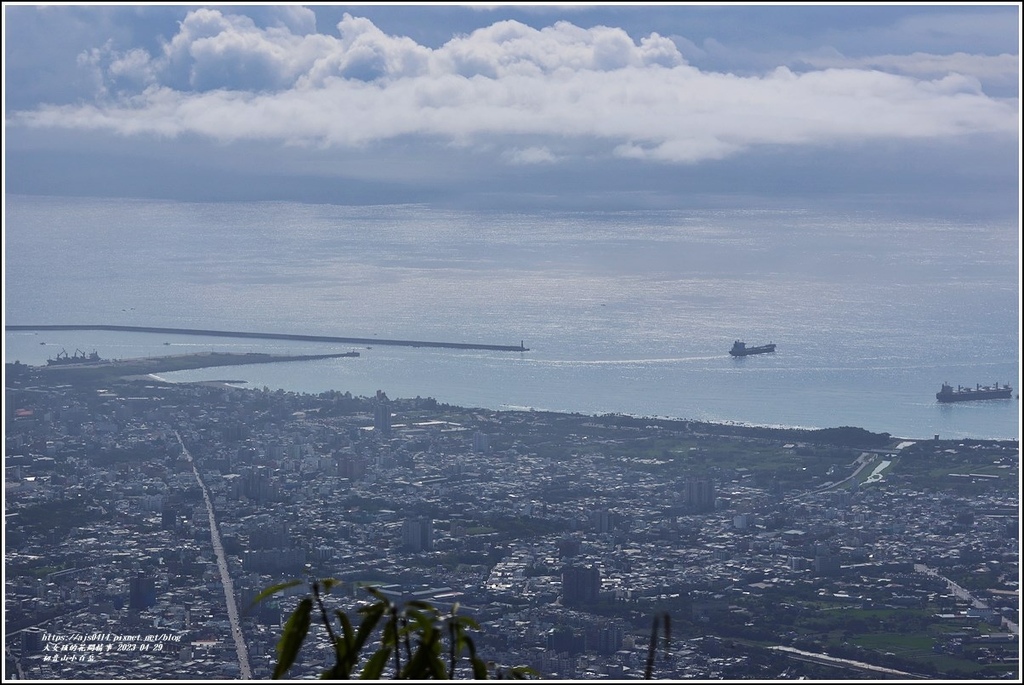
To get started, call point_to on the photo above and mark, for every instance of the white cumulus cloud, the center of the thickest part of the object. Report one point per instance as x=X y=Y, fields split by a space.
x=563 y=88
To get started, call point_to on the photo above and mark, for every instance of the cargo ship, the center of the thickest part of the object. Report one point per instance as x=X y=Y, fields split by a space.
x=740 y=349
x=979 y=392
x=78 y=357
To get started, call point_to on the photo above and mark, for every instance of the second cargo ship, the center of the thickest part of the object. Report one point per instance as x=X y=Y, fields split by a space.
x=740 y=349
x=979 y=392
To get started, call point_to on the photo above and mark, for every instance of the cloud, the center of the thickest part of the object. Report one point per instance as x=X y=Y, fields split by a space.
x=529 y=155
x=563 y=90
x=999 y=69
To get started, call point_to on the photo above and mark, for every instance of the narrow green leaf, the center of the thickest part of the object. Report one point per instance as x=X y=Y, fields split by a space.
x=346 y=627
x=425 y=663
x=375 y=592
x=421 y=621
x=291 y=639
x=370 y=622
x=335 y=642
x=454 y=647
x=392 y=630
x=375 y=666
x=479 y=668
x=327 y=584
x=272 y=590
x=522 y=673
x=468 y=622
x=334 y=673
x=423 y=606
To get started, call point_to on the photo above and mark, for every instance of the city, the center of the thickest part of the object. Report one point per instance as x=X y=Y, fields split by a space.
x=142 y=518
x=476 y=269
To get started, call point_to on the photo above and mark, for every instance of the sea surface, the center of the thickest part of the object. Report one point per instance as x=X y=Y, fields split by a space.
x=872 y=304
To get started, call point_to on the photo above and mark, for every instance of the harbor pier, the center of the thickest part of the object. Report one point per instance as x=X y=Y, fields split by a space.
x=269 y=336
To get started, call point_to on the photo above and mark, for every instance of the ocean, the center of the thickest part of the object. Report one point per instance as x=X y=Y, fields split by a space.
x=872 y=304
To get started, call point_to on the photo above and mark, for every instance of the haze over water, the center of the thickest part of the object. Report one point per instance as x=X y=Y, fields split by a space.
x=872 y=306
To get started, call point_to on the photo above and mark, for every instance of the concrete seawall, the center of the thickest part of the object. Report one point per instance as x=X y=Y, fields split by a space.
x=271 y=336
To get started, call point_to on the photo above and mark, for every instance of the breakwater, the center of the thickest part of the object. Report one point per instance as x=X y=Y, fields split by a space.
x=269 y=336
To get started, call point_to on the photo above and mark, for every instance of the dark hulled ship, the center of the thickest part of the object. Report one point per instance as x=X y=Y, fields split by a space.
x=79 y=357
x=979 y=392
x=740 y=349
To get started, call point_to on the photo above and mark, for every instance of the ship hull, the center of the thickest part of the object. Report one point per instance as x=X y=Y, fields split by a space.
x=967 y=396
x=746 y=352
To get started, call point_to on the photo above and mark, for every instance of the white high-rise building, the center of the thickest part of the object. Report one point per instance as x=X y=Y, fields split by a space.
x=382 y=414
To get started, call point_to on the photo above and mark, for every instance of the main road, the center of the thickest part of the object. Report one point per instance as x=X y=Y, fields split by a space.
x=829 y=660
x=964 y=594
x=222 y=564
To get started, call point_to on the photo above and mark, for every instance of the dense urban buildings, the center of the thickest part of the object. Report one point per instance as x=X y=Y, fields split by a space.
x=778 y=554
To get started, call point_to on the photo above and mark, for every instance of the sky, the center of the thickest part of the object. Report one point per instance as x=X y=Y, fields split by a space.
x=513 y=105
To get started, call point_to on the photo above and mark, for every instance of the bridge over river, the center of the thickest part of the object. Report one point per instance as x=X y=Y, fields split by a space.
x=269 y=336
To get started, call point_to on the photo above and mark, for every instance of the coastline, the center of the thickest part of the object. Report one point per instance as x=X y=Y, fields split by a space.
x=377 y=369
x=146 y=369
